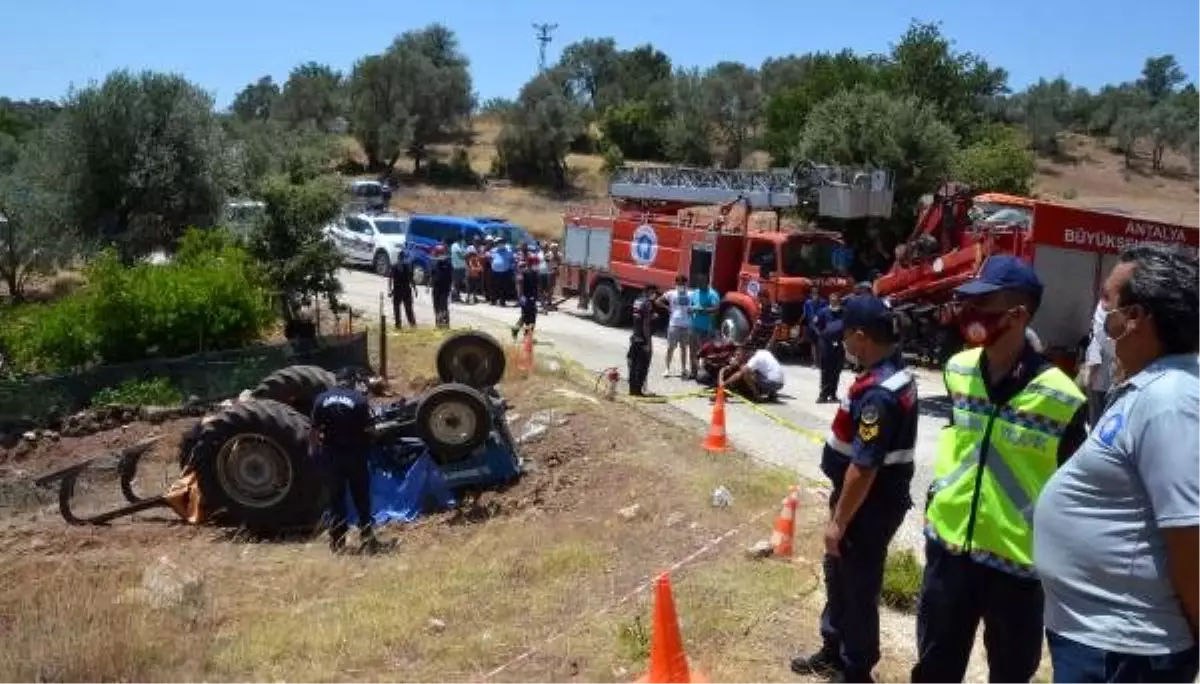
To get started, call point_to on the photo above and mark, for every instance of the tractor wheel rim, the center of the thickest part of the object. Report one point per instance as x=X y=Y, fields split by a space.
x=452 y=423
x=254 y=471
x=729 y=330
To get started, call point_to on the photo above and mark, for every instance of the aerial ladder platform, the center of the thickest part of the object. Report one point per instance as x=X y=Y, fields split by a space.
x=839 y=192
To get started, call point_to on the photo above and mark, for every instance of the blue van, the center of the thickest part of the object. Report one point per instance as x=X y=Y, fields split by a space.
x=426 y=232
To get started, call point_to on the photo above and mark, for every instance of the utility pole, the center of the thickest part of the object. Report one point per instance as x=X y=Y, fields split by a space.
x=544 y=37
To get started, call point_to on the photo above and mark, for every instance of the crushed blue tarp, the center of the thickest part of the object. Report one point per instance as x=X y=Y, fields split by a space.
x=405 y=496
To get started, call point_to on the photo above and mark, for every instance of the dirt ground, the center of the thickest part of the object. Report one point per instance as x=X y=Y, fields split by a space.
x=543 y=581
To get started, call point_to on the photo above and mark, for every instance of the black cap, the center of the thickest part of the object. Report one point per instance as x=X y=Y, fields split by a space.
x=866 y=311
x=1003 y=272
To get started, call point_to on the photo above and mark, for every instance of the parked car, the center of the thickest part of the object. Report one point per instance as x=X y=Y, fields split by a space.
x=377 y=240
x=370 y=195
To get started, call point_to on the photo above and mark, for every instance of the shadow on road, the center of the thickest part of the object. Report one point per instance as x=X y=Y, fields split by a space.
x=936 y=407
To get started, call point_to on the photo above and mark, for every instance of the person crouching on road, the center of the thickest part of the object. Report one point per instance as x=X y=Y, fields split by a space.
x=527 y=295
x=441 y=280
x=341 y=436
x=869 y=458
x=1016 y=418
x=756 y=374
x=640 y=348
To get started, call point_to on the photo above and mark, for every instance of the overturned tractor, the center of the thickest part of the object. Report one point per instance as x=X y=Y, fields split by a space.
x=249 y=464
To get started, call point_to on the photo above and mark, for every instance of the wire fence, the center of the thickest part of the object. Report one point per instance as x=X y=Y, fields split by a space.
x=203 y=377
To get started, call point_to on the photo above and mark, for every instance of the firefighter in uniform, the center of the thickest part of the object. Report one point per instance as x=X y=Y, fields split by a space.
x=1015 y=419
x=640 y=350
x=832 y=354
x=868 y=456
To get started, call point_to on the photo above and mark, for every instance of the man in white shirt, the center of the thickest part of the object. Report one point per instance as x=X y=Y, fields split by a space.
x=679 y=324
x=1097 y=374
x=759 y=374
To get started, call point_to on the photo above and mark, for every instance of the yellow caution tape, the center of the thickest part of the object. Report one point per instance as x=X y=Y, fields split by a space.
x=814 y=437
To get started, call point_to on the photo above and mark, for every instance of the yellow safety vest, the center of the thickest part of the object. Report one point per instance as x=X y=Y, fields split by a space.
x=993 y=461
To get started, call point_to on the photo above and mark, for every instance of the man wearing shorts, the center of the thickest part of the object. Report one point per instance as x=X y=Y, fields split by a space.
x=705 y=302
x=679 y=324
x=757 y=373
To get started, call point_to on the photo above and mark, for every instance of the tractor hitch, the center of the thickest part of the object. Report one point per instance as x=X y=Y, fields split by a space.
x=127 y=466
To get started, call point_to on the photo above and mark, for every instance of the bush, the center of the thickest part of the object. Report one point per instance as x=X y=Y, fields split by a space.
x=901 y=580
x=613 y=159
x=211 y=297
x=457 y=172
x=1001 y=161
x=133 y=392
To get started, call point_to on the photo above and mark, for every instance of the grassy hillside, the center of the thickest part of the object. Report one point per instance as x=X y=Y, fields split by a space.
x=1087 y=174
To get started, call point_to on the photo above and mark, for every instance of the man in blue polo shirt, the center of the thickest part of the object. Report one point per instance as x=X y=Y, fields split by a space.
x=503 y=278
x=705 y=302
x=1115 y=529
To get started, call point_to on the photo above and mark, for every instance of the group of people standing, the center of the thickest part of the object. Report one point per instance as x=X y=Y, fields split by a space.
x=486 y=269
x=691 y=322
x=1054 y=516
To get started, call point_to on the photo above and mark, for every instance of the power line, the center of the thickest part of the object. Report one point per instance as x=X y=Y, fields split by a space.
x=544 y=37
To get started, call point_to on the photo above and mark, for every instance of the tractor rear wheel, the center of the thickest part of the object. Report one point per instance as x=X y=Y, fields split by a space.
x=471 y=358
x=254 y=469
x=296 y=386
x=453 y=420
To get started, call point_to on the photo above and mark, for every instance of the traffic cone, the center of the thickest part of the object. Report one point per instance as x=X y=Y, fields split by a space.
x=716 y=439
x=784 y=534
x=525 y=355
x=668 y=662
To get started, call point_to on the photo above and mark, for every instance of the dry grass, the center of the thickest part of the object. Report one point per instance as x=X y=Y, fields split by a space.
x=461 y=596
x=1092 y=176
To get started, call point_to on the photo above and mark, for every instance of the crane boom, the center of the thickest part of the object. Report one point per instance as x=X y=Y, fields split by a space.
x=839 y=192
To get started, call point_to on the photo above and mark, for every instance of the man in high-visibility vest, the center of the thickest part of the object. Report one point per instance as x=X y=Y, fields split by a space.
x=1015 y=419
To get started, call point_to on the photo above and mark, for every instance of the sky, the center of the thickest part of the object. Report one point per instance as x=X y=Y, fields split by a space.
x=222 y=45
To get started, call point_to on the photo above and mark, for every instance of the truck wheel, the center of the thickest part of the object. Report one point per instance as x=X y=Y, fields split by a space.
x=382 y=264
x=453 y=420
x=254 y=470
x=471 y=358
x=734 y=325
x=296 y=386
x=607 y=304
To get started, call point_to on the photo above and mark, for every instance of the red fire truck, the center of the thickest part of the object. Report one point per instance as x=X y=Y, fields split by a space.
x=1072 y=250
x=654 y=231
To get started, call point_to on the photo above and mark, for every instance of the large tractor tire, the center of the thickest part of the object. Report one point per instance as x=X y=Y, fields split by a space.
x=254 y=470
x=607 y=304
x=296 y=386
x=453 y=420
x=474 y=359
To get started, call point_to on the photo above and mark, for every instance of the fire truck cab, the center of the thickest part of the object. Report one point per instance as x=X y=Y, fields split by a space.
x=653 y=232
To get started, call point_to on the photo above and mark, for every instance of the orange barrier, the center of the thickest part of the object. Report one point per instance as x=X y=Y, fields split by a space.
x=525 y=354
x=784 y=534
x=717 y=440
x=668 y=662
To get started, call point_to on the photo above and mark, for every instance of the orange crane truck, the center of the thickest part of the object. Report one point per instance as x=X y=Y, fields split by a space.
x=1072 y=249
x=654 y=231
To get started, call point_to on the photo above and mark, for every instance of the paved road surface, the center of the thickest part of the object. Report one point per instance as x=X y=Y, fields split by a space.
x=596 y=347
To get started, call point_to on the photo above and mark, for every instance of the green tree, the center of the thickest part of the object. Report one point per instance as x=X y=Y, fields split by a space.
x=257 y=101
x=924 y=64
x=592 y=68
x=1130 y=126
x=258 y=149
x=300 y=264
x=379 y=116
x=143 y=158
x=312 y=96
x=687 y=133
x=533 y=144
x=817 y=77
x=875 y=128
x=1000 y=161
x=634 y=129
x=1160 y=77
x=35 y=236
x=733 y=103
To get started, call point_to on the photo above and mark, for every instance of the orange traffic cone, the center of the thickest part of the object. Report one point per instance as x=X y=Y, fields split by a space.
x=784 y=533
x=716 y=439
x=668 y=662
x=525 y=355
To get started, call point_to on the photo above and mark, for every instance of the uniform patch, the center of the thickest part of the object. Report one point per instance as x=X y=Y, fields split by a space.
x=868 y=432
x=1110 y=427
x=869 y=415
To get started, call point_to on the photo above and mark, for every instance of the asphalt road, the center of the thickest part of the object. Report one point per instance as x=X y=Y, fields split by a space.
x=787 y=433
